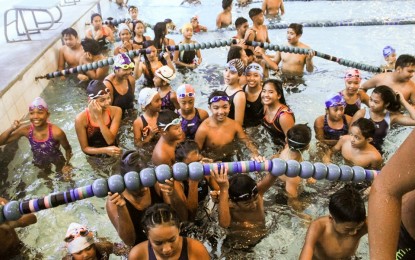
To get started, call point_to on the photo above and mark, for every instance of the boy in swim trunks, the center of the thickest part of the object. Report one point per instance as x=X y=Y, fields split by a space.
x=71 y=51
x=241 y=25
x=356 y=148
x=224 y=18
x=92 y=52
x=337 y=236
x=389 y=54
x=273 y=9
x=258 y=32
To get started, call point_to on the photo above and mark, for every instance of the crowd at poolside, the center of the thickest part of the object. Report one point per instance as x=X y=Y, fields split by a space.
x=148 y=221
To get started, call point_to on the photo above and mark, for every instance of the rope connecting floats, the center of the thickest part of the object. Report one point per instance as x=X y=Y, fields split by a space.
x=110 y=61
x=147 y=177
x=344 y=62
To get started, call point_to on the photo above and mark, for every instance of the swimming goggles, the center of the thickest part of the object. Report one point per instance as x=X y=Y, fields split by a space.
x=100 y=93
x=254 y=67
x=218 y=98
x=81 y=232
x=125 y=66
x=175 y=121
x=232 y=68
x=40 y=107
x=246 y=196
x=353 y=74
x=190 y=94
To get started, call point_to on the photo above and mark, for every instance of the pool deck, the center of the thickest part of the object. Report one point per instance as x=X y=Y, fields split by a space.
x=22 y=61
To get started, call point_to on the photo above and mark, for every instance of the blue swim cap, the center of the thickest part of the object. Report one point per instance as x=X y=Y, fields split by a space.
x=335 y=101
x=388 y=50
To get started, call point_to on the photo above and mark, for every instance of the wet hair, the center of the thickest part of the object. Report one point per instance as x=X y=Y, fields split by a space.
x=299 y=137
x=70 y=31
x=165 y=117
x=234 y=53
x=240 y=184
x=226 y=3
x=254 y=12
x=278 y=87
x=239 y=21
x=389 y=97
x=366 y=126
x=249 y=52
x=159 y=34
x=95 y=15
x=217 y=93
x=298 y=28
x=131 y=7
x=91 y=46
x=139 y=22
x=159 y=214
x=405 y=60
x=184 y=148
x=346 y=205
x=147 y=44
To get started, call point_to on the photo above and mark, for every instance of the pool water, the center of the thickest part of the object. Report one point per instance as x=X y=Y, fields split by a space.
x=287 y=229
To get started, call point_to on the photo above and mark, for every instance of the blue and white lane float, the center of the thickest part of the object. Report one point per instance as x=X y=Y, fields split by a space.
x=147 y=177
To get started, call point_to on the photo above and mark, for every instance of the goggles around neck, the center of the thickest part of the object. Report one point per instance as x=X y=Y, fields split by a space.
x=218 y=98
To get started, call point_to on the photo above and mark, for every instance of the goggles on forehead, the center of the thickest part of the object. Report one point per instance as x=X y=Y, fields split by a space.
x=190 y=94
x=232 y=68
x=246 y=196
x=218 y=98
x=253 y=66
x=40 y=107
x=175 y=121
x=100 y=93
x=79 y=232
x=125 y=66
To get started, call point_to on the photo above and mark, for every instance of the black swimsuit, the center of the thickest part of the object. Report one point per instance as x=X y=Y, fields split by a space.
x=232 y=109
x=406 y=245
x=253 y=111
x=125 y=101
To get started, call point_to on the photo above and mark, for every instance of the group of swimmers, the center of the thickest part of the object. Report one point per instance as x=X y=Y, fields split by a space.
x=174 y=130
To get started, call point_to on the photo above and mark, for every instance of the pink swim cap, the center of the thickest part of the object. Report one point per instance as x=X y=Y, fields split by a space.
x=38 y=103
x=352 y=73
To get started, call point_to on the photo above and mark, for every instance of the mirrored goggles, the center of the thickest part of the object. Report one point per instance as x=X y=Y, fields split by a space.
x=218 y=98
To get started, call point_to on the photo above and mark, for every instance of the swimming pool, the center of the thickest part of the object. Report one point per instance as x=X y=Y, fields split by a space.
x=287 y=231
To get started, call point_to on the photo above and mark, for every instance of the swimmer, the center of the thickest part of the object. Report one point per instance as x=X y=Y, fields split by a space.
x=292 y=64
x=162 y=78
x=241 y=25
x=121 y=83
x=224 y=18
x=187 y=59
x=97 y=126
x=9 y=240
x=81 y=244
x=384 y=111
x=391 y=212
x=337 y=235
x=334 y=124
x=191 y=116
x=254 y=109
x=389 y=54
x=278 y=117
x=160 y=41
x=162 y=227
x=127 y=43
x=399 y=80
x=92 y=52
x=197 y=28
x=217 y=133
x=145 y=127
x=273 y=8
x=258 y=32
x=99 y=32
x=44 y=137
x=139 y=38
x=71 y=51
x=234 y=69
x=238 y=52
x=352 y=94
x=356 y=148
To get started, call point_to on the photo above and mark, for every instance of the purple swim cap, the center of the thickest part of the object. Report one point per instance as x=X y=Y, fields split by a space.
x=388 y=50
x=335 y=101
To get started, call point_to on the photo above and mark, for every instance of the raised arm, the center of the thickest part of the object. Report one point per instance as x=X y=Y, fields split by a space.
x=14 y=132
x=385 y=201
x=371 y=83
x=221 y=178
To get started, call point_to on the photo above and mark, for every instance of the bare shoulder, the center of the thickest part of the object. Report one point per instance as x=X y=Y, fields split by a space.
x=319 y=122
x=319 y=225
x=203 y=113
x=196 y=249
x=139 y=252
x=115 y=110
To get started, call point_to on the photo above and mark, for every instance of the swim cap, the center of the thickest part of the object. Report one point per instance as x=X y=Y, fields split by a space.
x=78 y=238
x=123 y=61
x=96 y=89
x=123 y=26
x=236 y=65
x=165 y=73
x=336 y=100
x=255 y=67
x=388 y=50
x=146 y=96
x=352 y=73
x=38 y=103
x=195 y=17
x=185 y=90
x=187 y=26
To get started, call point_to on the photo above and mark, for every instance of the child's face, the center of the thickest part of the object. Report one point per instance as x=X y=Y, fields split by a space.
x=336 y=113
x=406 y=73
x=192 y=156
x=376 y=103
x=352 y=85
x=158 y=82
x=122 y=73
x=125 y=35
x=195 y=22
x=358 y=140
x=253 y=79
x=155 y=105
x=38 y=117
x=220 y=110
x=391 y=59
x=139 y=29
x=187 y=104
x=242 y=28
x=87 y=253
x=133 y=13
x=230 y=77
x=165 y=240
x=97 y=22
x=292 y=37
x=152 y=55
x=269 y=95
x=347 y=228
x=70 y=40
x=188 y=33
x=103 y=101
x=175 y=132
x=248 y=205
x=259 y=18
